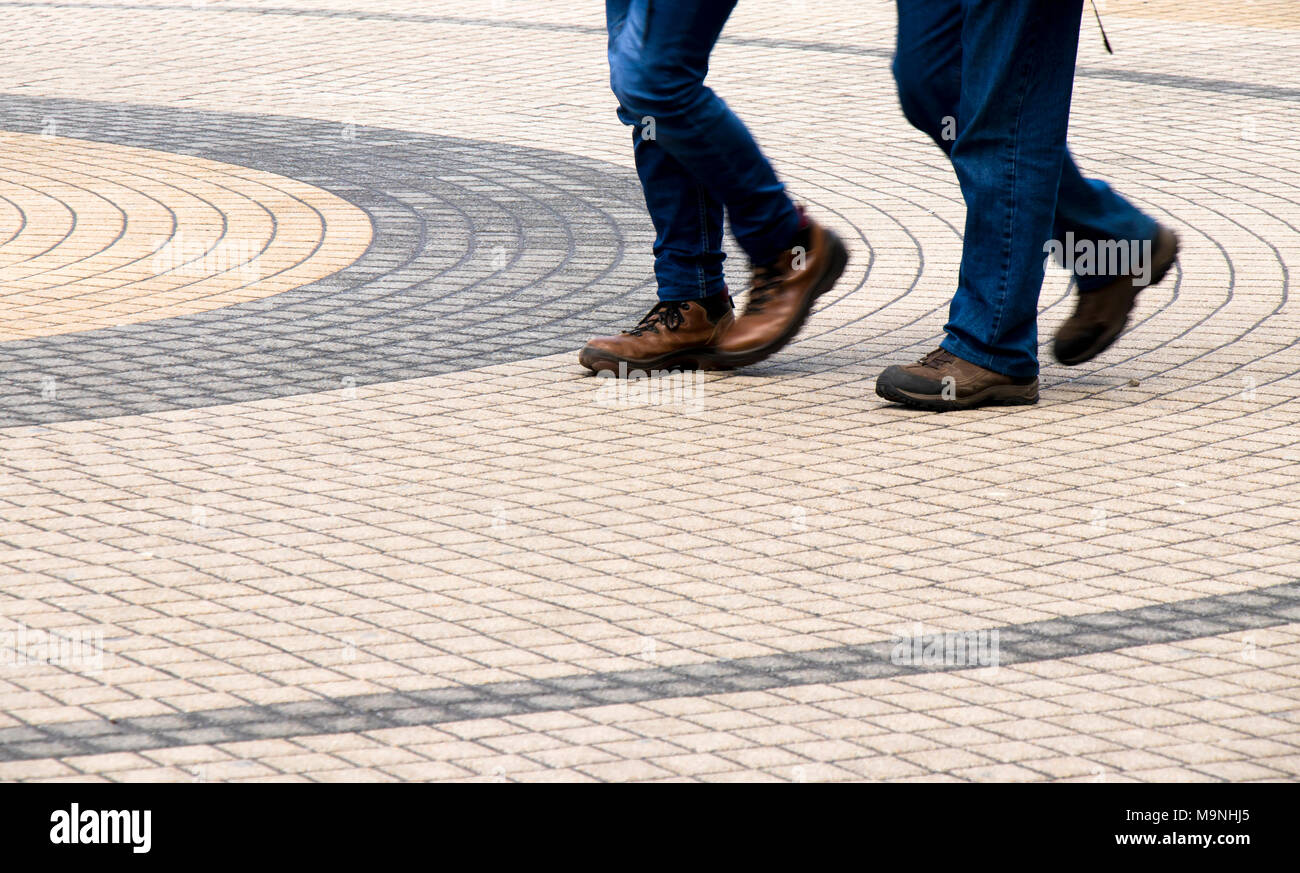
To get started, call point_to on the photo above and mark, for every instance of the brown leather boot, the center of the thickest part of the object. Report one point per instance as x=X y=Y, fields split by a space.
x=942 y=382
x=674 y=335
x=780 y=297
x=1101 y=314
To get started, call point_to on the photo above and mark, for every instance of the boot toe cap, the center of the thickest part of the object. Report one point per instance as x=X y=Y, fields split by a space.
x=1072 y=346
x=906 y=379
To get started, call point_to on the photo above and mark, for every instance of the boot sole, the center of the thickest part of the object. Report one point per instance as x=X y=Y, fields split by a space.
x=839 y=259
x=597 y=361
x=1107 y=339
x=994 y=395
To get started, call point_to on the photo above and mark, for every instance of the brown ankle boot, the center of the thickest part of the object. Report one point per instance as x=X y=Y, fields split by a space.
x=942 y=382
x=780 y=297
x=1101 y=314
x=674 y=335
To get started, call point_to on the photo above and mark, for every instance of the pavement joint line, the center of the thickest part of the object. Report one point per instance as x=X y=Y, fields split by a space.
x=1050 y=639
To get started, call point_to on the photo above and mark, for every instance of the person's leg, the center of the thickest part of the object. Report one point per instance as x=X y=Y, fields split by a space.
x=1090 y=210
x=694 y=157
x=927 y=70
x=694 y=310
x=688 y=223
x=1017 y=75
x=1116 y=252
x=927 y=66
x=658 y=61
x=688 y=219
x=1016 y=78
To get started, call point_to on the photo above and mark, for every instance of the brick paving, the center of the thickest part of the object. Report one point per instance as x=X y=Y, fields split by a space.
x=329 y=526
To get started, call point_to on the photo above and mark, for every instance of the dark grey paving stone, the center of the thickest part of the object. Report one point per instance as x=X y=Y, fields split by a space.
x=810 y=676
x=486 y=709
x=343 y=724
x=202 y=736
x=268 y=729
x=310 y=707
x=76 y=729
x=575 y=683
x=157 y=723
x=24 y=733
x=422 y=715
x=122 y=742
x=235 y=715
x=42 y=749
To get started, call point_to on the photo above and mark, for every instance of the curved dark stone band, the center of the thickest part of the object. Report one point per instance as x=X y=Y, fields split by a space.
x=1016 y=644
x=482 y=253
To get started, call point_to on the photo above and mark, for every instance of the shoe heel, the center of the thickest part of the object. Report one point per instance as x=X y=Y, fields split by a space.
x=839 y=260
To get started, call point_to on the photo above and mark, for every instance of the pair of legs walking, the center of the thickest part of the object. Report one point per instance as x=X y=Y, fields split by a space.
x=693 y=155
x=990 y=82
x=697 y=161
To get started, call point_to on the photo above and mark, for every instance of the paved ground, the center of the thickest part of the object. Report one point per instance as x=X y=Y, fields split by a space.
x=290 y=418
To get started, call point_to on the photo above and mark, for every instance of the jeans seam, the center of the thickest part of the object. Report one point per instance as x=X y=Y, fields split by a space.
x=704 y=238
x=1011 y=213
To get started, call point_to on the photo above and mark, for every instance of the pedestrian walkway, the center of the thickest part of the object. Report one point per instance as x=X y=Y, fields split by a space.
x=300 y=478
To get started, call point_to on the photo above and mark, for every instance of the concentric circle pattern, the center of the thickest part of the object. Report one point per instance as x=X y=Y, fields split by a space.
x=379 y=525
x=98 y=235
x=481 y=253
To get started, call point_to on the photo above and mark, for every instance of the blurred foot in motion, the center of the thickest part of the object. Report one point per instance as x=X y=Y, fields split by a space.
x=990 y=83
x=698 y=164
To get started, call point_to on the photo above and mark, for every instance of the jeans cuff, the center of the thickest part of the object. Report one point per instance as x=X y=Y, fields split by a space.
x=996 y=363
x=1092 y=282
x=768 y=247
x=693 y=290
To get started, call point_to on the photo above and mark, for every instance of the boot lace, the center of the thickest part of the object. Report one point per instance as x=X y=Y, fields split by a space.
x=937 y=358
x=763 y=285
x=666 y=312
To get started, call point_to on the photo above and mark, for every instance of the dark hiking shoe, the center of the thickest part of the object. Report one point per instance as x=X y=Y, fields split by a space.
x=781 y=296
x=1101 y=314
x=942 y=382
x=674 y=335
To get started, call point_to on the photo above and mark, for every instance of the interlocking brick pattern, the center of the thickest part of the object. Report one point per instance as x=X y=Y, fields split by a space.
x=1219 y=708
x=1273 y=14
x=465 y=233
x=1018 y=644
x=98 y=235
x=298 y=511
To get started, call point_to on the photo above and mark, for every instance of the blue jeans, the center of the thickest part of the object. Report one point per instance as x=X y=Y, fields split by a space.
x=990 y=82
x=693 y=155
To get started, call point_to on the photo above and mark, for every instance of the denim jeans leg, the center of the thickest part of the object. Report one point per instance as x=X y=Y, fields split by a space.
x=688 y=224
x=1017 y=75
x=658 y=58
x=688 y=220
x=927 y=66
x=1090 y=210
x=927 y=70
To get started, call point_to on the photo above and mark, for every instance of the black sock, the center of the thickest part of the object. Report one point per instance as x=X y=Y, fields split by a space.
x=716 y=305
x=802 y=237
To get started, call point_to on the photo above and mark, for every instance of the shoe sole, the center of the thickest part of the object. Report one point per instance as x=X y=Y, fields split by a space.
x=839 y=259
x=995 y=395
x=597 y=361
x=1107 y=339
